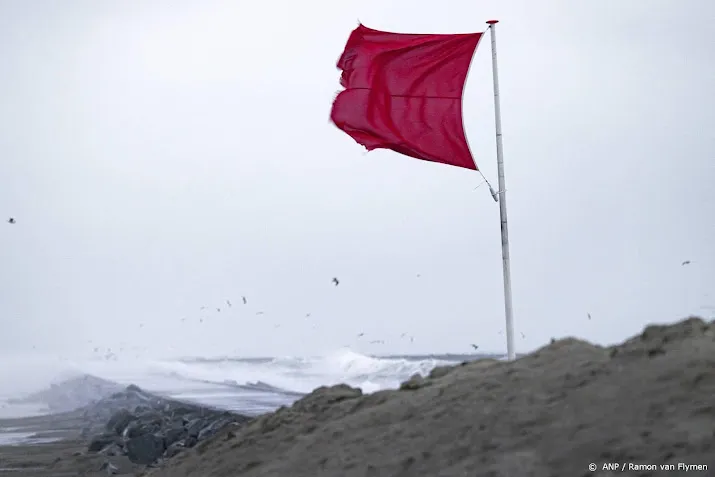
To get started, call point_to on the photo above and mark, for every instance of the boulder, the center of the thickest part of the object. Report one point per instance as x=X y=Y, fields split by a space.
x=174 y=434
x=145 y=449
x=119 y=421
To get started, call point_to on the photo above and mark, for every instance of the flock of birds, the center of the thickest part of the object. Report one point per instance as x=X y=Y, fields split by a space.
x=335 y=282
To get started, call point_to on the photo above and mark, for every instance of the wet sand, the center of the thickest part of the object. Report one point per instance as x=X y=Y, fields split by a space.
x=65 y=456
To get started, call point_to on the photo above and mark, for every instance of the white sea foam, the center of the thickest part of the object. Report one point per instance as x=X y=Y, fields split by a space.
x=218 y=380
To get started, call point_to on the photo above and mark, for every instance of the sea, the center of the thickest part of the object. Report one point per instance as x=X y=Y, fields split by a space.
x=248 y=386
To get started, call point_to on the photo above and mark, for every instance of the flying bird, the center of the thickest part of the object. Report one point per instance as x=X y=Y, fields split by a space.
x=307 y=315
x=589 y=315
x=228 y=302
x=203 y=308
x=475 y=346
x=244 y=299
x=361 y=334
x=11 y=220
x=377 y=342
x=336 y=281
x=218 y=309
x=259 y=313
x=687 y=262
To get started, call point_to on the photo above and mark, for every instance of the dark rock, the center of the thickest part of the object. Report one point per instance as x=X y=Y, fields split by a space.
x=119 y=421
x=194 y=427
x=182 y=410
x=174 y=449
x=101 y=441
x=148 y=428
x=213 y=428
x=174 y=434
x=145 y=449
x=113 y=449
x=134 y=429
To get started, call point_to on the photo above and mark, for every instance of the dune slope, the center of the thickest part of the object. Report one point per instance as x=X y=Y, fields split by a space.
x=650 y=400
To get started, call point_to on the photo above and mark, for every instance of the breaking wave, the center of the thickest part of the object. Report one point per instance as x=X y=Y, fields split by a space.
x=288 y=376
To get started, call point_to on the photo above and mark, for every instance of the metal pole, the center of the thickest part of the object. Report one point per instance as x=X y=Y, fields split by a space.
x=511 y=353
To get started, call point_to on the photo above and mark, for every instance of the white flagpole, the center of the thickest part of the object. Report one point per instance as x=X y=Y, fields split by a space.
x=511 y=353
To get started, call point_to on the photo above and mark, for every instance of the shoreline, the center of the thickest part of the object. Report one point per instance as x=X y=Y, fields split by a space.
x=552 y=412
x=116 y=435
x=57 y=458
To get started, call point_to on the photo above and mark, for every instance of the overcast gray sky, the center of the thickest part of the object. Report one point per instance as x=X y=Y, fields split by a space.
x=160 y=156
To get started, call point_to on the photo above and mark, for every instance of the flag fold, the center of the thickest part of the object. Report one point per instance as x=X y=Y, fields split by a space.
x=404 y=92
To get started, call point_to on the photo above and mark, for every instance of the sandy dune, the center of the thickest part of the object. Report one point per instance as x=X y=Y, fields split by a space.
x=648 y=401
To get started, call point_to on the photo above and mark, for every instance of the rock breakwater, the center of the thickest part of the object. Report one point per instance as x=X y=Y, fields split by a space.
x=147 y=428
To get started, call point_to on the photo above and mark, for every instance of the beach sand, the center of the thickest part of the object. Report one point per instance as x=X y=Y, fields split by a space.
x=648 y=401
x=64 y=456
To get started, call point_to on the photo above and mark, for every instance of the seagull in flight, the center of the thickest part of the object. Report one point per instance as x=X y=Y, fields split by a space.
x=228 y=302
x=336 y=281
x=244 y=299
x=687 y=262
x=589 y=315
x=11 y=220
x=475 y=346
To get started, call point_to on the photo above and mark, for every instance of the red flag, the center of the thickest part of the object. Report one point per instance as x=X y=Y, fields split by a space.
x=404 y=92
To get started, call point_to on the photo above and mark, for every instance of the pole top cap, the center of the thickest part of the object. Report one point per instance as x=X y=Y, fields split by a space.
x=492 y=22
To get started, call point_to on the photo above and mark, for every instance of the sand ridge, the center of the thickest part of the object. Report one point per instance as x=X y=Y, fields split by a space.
x=650 y=400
